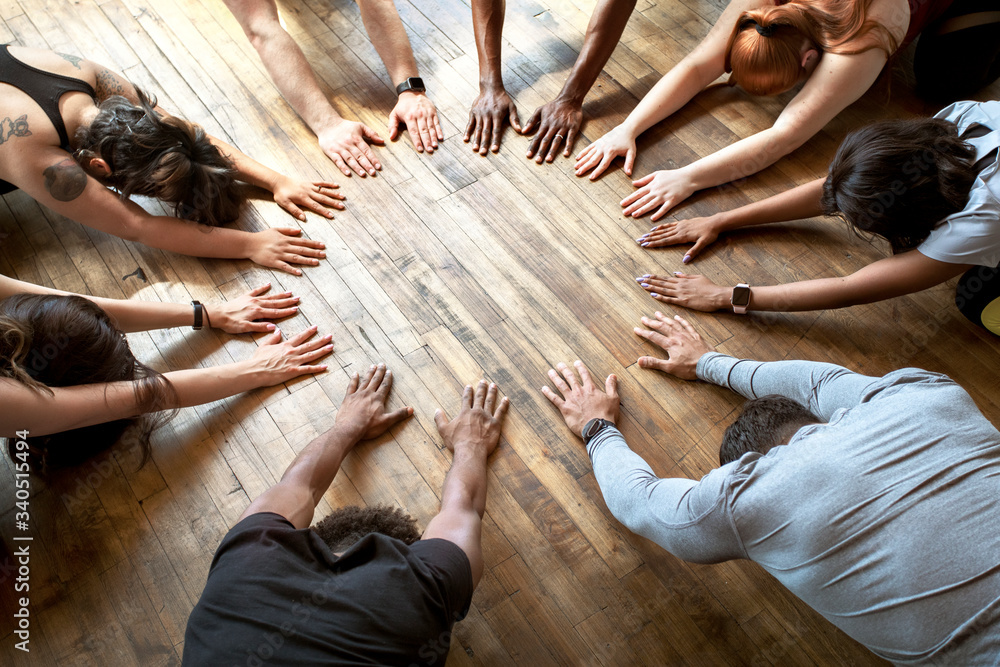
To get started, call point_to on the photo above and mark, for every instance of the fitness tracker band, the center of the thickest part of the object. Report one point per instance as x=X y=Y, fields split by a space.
x=740 y=299
x=199 y=314
x=414 y=84
x=593 y=427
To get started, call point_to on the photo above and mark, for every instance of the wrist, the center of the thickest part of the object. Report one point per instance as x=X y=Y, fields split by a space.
x=722 y=300
x=475 y=451
x=571 y=95
x=328 y=123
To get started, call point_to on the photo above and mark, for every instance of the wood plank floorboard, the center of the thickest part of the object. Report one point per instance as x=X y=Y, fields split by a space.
x=449 y=267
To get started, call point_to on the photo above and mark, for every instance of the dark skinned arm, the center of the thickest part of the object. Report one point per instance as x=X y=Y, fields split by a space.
x=494 y=106
x=560 y=119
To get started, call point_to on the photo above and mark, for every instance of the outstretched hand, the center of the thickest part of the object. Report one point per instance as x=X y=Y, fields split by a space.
x=661 y=190
x=683 y=345
x=598 y=156
x=346 y=143
x=558 y=123
x=277 y=361
x=278 y=248
x=582 y=401
x=362 y=415
x=316 y=196
x=419 y=115
x=478 y=424
x=490 y=111
x=690 y=291
x=700 y=231
x=242 y=315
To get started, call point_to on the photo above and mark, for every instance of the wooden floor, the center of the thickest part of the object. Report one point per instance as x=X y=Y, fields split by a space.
x=449 y=268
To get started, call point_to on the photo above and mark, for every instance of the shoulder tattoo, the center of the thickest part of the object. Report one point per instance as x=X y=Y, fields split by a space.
x=14 y=128
x=65 y=180
x=108 y=84
x=72 y=60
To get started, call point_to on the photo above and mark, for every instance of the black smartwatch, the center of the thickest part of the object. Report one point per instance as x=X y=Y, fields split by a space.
x=414 y=83
x=199 y=313
x=593 y=427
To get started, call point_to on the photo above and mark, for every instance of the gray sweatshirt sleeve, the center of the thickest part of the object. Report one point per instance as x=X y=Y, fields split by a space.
x=689 y=519
x=823 y=388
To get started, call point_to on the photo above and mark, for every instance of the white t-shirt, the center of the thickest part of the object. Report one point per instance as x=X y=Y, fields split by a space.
x=972 y=236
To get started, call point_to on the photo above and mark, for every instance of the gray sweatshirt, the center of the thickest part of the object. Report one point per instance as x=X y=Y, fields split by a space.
x=885 y=519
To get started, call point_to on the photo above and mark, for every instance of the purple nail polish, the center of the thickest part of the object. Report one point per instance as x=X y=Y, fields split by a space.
x=647 y=275
x=653 y=294
x=687 y=258
x=638 y=280
x=644 y=285
x=644 y=244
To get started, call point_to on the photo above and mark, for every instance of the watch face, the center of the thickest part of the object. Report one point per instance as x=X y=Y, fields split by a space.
x=741 y=296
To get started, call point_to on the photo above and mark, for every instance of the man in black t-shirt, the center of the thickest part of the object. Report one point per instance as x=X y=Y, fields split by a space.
x=278 y=593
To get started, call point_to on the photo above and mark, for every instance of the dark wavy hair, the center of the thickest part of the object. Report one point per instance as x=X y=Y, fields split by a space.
x=163 y=157
x=51 y=341
x=346 y=525
x=764 y=423
x=899 y=178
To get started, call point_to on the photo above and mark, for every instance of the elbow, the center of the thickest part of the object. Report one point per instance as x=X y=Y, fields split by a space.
x=262 y=32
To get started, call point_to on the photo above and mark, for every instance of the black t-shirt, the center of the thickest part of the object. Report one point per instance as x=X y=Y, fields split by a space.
x=276 y=595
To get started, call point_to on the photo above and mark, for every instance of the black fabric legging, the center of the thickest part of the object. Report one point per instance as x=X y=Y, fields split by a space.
x=978 y=297
x=954 y=65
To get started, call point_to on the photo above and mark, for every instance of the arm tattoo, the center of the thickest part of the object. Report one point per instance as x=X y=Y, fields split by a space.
x=65 y=180
x=108 y=84
x=73 y=60
x=14 y=128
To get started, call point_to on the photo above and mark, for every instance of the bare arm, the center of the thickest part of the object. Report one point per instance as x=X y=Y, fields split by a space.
x=887 y=278
x=471 y=436
x=561 y=118
x=240 y=315
x=413 y=109
x=691 y=75
x=67 y=408
x=361 y=416
x=493 y=107
x=836 y=83
x=795 y=204
x=343 y=141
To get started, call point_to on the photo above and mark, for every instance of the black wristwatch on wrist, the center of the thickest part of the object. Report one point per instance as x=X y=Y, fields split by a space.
x=414 y=84
x=593 y=427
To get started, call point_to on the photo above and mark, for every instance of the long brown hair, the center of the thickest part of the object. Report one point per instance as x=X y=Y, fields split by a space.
x=61 y=341
x=899 y=178
x=163 y=157
x=764 y=51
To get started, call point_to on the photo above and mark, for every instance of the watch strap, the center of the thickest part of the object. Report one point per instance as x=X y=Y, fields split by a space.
x=414 y=83
x=593 y=427
x=199 y=315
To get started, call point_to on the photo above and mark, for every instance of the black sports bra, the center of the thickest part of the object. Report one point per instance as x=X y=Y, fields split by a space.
x=43 y=87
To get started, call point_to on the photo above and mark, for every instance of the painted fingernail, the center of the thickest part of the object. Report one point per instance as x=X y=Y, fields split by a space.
x=644 y=245
x=645 y=284
x=687 y=258
x=647 y=275
x=677 y=273
x=639 y=280
x=653 y=294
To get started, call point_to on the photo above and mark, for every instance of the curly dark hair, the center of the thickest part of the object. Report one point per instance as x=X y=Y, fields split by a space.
x=899 y=178
x=163 y=157
x=345 y=526
x=61 y=341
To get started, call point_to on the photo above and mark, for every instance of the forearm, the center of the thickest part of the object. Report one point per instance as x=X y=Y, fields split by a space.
x=669 y=94
x=743 y=158
x=487 y=23
x=465 y=485
x=189 y=238
x=293 y=76
x=682 y=516
x=250 y=171
x=603 y=33
x=316 y=466
x=821 y=387
x=795 y=204
x=388 y=36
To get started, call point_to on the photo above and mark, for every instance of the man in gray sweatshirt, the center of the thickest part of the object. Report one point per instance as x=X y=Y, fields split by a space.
x=873 y=499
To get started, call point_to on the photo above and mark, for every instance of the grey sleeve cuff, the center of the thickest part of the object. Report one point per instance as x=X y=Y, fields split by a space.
x=715 y=367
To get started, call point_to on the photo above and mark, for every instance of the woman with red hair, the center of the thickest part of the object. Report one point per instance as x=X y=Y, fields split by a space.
x=834 y=48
